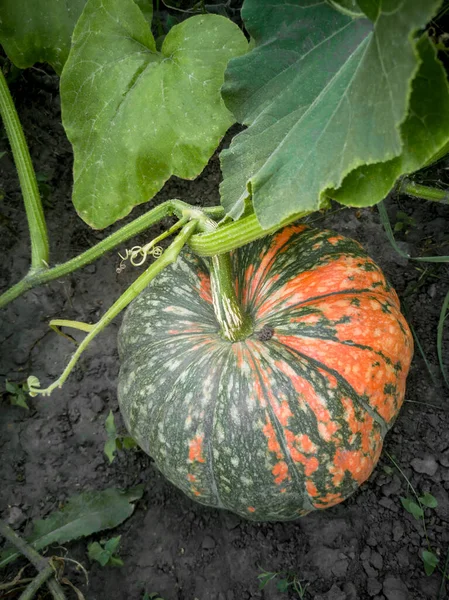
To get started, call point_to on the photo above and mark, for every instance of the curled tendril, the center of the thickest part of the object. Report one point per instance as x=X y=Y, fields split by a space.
x=138 y=255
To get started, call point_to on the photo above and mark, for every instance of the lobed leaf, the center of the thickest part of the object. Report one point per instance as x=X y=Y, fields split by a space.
x=83 y=515
x=136 y=116
x=322 y=94
x=38 y=30
x=425 y=134
x=33 y=31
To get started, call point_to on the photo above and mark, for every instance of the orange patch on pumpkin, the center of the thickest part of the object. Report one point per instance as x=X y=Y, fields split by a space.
x=280 y=472
x=205 y=290
x=273 y=444
x=328 y=500
x=254 y=279
x=196 y=449
x=356 y=365
x=311 y=488
x=341 y=274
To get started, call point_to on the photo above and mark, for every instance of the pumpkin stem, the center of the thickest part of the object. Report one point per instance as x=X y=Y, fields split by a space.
x=234 y=323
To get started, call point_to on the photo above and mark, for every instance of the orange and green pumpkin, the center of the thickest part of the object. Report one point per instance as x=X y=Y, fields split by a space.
x=290 y=419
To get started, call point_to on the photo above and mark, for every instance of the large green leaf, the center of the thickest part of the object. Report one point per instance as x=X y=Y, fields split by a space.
x=322 y=94
x=38 y=30
x=136 y=116
x=34 y=31
x=424 y=133
x=83 y=515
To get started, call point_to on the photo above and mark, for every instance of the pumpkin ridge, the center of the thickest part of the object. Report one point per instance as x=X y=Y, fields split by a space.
x=227 y=350
x=349 y=292
x=342 y=381
x=281 y=437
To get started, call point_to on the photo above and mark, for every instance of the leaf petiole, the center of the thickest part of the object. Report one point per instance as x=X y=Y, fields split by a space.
x=168 y=257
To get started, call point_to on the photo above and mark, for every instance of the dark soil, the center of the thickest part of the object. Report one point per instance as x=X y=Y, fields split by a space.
x=367 y=547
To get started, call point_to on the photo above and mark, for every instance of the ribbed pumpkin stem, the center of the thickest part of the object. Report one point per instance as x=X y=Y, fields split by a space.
x=234 y=323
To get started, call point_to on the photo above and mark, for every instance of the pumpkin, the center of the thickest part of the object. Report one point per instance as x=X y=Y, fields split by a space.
x=290 y=419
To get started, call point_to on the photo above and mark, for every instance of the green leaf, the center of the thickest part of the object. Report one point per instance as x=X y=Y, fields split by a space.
x=44 y=35
x=347 y=7
x=283 y=585
x=112 y=544
x=424 y=133
x=322 y=94
x=83 y=515
x=38 y=30
x=136 y=116
x=109 y=449
x=413 y=508
x=109 y=425
x=428 y=500
x=17 y=395
x=430 y=561
x=128 y=442
x=103 y=552
x=265 y=578
x=96 y=552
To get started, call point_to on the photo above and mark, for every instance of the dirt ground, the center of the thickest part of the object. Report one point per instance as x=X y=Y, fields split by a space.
x=367 y=547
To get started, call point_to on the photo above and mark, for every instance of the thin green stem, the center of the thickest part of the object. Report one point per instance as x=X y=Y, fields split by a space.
x=27 y=178
x=37 y=583
x=168 y=257
x=423 y=191
x=33 y=556
x=166 y=209
x=415 y=493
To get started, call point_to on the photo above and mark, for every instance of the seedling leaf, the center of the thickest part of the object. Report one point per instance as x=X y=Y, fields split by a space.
x=430 y=561
x=134 y=115
x=310 y=125
x=109 y=425
x=128 y=442
x=412 y=507
x=17 y=394
x=83 y=515
x=109 y=449
x=103 y=552
x=428 y=500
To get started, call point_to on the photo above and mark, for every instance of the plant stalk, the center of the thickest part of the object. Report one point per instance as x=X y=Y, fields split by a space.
x=40 y=563
x=27 y=178
x=169 y=256
x=424 y=192
x=37 y=583
x=221 y=240
x=235 y=235
x=234 y=323
x=166 y=209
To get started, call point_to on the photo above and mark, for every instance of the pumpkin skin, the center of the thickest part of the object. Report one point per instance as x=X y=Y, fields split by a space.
x=292 y=418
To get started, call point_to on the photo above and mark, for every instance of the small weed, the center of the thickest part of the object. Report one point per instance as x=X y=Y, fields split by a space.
x=104 y=552
x=415 y=505
x=152 y=596
x=285 y=580
x=403 y=222
x=116 y=441
x=17 y=393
